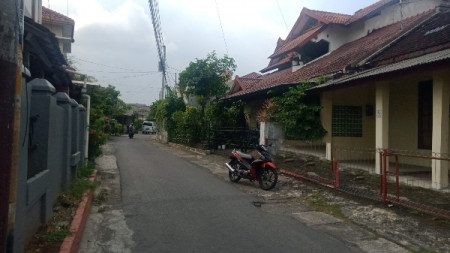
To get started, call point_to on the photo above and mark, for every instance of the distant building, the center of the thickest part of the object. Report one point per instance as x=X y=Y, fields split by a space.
x=139 y=110
x=61 y=26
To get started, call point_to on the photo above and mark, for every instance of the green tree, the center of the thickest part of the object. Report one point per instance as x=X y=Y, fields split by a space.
x=105 y=102
x=161 y=111
x=106 y=99
x=205 y=79
x=225 y=115
x=299 y=114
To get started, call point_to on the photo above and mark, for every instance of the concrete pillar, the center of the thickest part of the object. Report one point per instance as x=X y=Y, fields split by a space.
x=41 y=158
x=64 y=101
x=326 y=116
x=440 y=130
x=21 y=207
x=262 y=133
x=273 y=132
x=381 y=120
x=75 y=150
x=81 y=129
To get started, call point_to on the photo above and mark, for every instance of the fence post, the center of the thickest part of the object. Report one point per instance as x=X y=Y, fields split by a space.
x=384 y=176
x=336 y=173
x=397 y=183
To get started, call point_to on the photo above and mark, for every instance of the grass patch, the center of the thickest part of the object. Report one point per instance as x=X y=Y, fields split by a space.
x=101 y=197
x=85 y=170
x=320 y=204
x=57 y=236
x=49 y=237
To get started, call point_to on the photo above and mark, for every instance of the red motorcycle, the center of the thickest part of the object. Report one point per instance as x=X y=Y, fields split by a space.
x=243 y=165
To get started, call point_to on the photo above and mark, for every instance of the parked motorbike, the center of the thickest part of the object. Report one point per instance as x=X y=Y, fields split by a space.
x=262 y=169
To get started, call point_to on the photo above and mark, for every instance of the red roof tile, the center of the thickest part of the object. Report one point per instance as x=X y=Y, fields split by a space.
x=369 y=9
x=327 y=17
x=252 y=75
x=244 y=83
x=350 y=53
x=431 y=36
x=55 y=17
x=299 y=41
x=278 y=63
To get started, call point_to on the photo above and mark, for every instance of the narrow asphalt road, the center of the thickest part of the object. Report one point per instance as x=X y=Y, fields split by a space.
x=169 y=204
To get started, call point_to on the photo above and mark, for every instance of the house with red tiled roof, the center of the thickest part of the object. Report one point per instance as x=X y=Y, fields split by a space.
x=62 y=26
x=388 y=65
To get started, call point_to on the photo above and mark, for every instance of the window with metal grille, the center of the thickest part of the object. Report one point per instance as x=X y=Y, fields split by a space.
x=346 y=121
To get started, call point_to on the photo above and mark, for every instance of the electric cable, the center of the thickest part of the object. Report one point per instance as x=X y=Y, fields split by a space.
x=281 y=12
x=221 y=27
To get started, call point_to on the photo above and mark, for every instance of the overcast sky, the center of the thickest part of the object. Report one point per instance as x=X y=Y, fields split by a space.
x=114 y=39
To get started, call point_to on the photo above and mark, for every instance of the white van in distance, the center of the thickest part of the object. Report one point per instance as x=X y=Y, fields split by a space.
x=148 y=127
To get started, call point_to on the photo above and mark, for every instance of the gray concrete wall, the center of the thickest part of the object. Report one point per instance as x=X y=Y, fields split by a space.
x=52 y=140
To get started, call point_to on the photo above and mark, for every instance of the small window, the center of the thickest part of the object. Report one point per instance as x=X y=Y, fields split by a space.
x=346 y=121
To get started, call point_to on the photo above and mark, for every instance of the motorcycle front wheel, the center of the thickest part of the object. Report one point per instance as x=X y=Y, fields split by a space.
x=234 y=176
x=268 y=178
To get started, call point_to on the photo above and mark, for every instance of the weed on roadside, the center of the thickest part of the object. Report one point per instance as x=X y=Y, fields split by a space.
x=50 y=236
x=320 y=204
x=101 y=197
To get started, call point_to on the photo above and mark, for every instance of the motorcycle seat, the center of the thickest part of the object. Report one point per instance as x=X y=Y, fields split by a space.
x=244 y=155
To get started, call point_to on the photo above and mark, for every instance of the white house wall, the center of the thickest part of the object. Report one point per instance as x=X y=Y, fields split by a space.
x=398 y=12
x=33 y=9
x=362 y=96
x=339 y=35
x=403 y=112
x=403 y=95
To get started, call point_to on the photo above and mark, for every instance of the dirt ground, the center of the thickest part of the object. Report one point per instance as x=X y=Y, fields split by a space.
x=416 y=230
x=48 y=238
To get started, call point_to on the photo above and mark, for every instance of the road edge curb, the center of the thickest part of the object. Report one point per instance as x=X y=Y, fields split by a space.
x=71 y=243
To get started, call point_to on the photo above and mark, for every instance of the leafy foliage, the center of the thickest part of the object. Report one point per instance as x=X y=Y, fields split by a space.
x=105 y=102
x=187 y=124
x=221 y=115
x=162 y=110
x=106 y=99
x=299 y=115
x=206 y=79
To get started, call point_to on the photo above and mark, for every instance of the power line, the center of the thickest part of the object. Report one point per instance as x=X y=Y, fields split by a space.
x=221 y=27
x=100 y=64
x=124 y=77
x=167 y=66
x=281 y=12
x=127 y=72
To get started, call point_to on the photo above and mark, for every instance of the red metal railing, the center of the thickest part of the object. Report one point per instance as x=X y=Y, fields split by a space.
x=391 y=189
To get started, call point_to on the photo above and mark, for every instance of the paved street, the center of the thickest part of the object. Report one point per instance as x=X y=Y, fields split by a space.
x=169 y=204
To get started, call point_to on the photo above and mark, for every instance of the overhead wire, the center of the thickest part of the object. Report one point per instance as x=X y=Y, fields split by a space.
x=100 y=64
x=281 y=12
x=221 y=27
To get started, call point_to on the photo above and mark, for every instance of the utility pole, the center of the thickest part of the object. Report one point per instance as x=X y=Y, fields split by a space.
x=12 y=24
x=156 y=21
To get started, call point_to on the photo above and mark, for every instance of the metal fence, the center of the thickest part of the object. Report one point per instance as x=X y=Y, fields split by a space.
x=241 y=138
x=403 y=178
x=406 y=179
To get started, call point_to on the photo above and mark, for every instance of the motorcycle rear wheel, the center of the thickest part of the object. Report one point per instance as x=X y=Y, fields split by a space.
x=268 y=178
x=234 y=176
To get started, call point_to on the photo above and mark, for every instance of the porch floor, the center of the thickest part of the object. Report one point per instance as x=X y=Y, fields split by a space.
x=412 y=175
